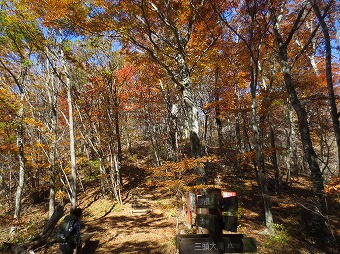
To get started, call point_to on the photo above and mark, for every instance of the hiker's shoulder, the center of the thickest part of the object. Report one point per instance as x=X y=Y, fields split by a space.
x=70 y=217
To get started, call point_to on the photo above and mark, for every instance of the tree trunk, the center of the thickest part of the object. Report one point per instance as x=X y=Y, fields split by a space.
x=205 y=131
x=102 y=176
x=311 y=157
x=308 y=149
x=115 y=178
x=52 y=94
x=118 y=136
x=192 y=116
x=68 y=87
x=254 y=74
x=309 y=152
x=173 y=135
x=239 y=149
x=274 y=162
x=113 y=124
x=218 y=114
x=331 y=96
x=219 y=129
x=291 y=158
x=192 y=111
x=260 y=162
x=172 y=112
x=288 y=157
x=64 y=77
x=21 y=157
x=190 y=106
x=261 y=174
x=72 y=147
x=53 y=148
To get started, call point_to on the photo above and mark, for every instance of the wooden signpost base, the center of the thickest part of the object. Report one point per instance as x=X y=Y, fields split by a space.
x=205 y=244
x=217 y=211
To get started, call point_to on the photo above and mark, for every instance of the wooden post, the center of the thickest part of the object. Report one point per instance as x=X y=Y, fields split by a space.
x=189 y=215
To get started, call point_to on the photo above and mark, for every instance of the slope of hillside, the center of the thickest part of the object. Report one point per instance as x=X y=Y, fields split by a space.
x=120 y=229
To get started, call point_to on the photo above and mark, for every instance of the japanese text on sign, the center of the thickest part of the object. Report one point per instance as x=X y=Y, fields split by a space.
x=208 y=246
x=207 y=201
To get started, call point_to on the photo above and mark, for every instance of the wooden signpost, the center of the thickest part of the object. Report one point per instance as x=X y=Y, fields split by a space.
x=222 y=211
x=211 y=222
x=217 y=211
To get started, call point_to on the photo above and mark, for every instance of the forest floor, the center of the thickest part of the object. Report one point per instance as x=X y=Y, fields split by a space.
x=118 y=230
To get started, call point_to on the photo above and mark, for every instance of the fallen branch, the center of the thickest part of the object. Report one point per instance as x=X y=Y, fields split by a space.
x=40 y=239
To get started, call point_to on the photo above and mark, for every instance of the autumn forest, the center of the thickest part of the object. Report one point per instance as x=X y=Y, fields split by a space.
x=204 y=89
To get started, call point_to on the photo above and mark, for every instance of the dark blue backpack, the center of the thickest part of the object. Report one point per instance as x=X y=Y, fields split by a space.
x=66 y=230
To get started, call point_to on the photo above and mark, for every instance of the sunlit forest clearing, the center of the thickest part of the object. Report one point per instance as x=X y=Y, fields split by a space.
x=136 y=110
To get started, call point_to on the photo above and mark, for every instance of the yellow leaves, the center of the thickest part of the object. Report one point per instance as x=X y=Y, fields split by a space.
x=333 y=187
x=53 y=12
x=67 y=170
x=8 y=105
x=247 y=157
x=5 y=95
x=9 y=148
x=82 y=160
x=40 y=146
x=201 y=186
x=288 y=205
x=34 y=123
x=60 y=195
x=175 y=168
x=33 y=164
x=178 y=176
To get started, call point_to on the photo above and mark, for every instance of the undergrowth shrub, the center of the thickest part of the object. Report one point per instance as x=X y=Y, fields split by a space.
x=180 y=176
x=279 y=240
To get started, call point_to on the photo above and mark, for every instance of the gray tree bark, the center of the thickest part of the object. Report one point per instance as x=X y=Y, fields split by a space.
x=274 y=161
x=260 y=158
x=67 y=82
x=218 y=120
x=21 y=157
x=52 y=93
x=72 y=144
x=239 y=147
x=329 y=77
x=309 y=152
x=172 y=112
x=190 y=105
